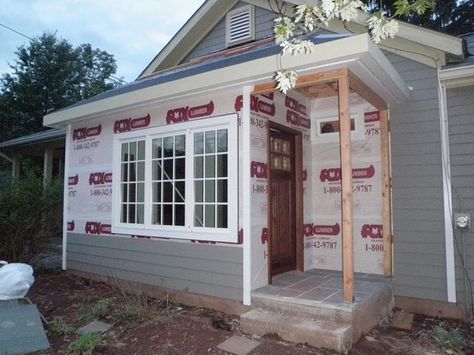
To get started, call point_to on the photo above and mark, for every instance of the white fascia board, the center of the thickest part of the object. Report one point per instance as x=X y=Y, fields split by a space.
x=457 y=77
x=345 y=52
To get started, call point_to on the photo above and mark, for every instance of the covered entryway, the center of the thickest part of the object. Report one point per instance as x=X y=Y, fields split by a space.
x=285 y=197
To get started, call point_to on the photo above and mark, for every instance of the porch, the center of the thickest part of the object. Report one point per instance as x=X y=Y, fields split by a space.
x=309 y=307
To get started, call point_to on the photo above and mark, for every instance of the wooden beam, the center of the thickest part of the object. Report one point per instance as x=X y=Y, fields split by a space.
x=304 y=80
x=365 y=92
x=386 y=193
x=346 y=191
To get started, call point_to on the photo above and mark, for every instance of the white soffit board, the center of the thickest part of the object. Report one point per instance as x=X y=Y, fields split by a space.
x=352 y=52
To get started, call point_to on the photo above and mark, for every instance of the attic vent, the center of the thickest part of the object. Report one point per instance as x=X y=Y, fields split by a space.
x=240 y=25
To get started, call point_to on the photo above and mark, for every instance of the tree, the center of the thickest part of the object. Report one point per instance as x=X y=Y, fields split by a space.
x=308 y=19
x=48 y=74
x=453 y=16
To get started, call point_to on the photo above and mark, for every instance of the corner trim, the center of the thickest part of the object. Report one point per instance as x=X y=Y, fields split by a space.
x=65 y=197
x=246 y=197
x=447 y=193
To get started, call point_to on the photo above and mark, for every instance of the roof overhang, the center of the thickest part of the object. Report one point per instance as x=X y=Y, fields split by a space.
x=457 y=77
x=356 y=53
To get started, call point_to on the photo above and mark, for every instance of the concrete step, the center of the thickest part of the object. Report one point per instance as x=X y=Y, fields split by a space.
x=341 y=314
x=298 y=329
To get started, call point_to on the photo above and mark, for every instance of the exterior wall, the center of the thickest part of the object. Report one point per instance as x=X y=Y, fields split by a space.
x=460 y=103
x=214 y=41
x=197 y=268
x=418 y=215
x=201 y=267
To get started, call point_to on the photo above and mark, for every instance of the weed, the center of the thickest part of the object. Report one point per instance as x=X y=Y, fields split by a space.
x=99 y=310
x=86 y=343
x=136 y=307
x=448 y=339
x=58 y=327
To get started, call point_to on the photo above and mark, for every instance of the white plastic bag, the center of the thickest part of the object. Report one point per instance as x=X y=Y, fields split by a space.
x=15 y=281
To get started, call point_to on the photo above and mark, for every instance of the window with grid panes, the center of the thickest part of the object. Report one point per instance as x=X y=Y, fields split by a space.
x=210 y=178
x=133 y=182
x=179 y=181
x=168 y=180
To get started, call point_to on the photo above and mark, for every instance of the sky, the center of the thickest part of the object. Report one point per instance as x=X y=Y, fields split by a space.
x=133 y=31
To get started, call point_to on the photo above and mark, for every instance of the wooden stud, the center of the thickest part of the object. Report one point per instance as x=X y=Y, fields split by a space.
x=299 y=220
x=346 y=190
x=269 y=205
x=364 y=91
x=304 y=80
x=386 y=193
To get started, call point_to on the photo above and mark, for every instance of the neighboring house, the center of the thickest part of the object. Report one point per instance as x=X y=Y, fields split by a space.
x=45 y=149
x=221 y=183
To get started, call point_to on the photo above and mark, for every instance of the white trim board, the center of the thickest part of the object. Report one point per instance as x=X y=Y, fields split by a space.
x=447 y=195
x=66 y=194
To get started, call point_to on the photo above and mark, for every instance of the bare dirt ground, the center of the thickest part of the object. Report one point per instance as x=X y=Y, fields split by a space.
x=141 y=325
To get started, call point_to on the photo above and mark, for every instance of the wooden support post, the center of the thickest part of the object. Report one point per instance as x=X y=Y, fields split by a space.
x=47 y=166
x=386 y=193
x=346 y=185
x=16 y=166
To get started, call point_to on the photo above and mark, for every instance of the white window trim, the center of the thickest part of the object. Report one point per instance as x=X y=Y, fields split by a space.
x=240 y=9
x=356 y=134
x=229 y=234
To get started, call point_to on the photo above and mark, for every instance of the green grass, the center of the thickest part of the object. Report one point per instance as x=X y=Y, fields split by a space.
x=86 y=343
x=58 y=327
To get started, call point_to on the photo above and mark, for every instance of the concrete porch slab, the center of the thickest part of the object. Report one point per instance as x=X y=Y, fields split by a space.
x=315 y=298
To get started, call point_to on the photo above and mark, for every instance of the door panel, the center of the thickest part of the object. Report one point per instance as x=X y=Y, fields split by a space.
x=282 y=202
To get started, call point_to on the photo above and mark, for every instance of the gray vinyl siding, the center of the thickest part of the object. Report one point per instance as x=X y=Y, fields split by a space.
x=212 y=270
x=418 y=214
x=214 y=41
x=460 y=103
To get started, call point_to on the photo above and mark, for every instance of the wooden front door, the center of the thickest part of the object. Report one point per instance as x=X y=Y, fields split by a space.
x=282 y=202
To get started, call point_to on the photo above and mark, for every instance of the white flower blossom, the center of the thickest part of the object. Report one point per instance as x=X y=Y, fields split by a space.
x=328 y=7
x=381 y=28
x=283 y=29
x=391 y=28
x=297 y=46
x=348 y=11
x=286 y=80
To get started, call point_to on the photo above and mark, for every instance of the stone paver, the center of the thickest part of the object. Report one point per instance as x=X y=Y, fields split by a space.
x=238 y=345
x=95 y=326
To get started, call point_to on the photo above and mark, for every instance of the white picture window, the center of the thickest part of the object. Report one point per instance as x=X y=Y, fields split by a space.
x=178 y=181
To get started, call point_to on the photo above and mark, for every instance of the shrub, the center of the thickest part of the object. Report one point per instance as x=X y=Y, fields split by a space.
x=30 y=217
